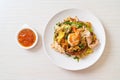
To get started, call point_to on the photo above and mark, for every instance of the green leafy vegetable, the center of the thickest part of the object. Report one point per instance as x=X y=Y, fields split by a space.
x=58 y=24
x=67 y=22
x=77 y=58
x=77 y=24
x=81 y=46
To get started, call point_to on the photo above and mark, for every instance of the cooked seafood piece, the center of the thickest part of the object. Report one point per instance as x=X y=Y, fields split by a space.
x=89 y=39
x=93 y=45
x=74 y=38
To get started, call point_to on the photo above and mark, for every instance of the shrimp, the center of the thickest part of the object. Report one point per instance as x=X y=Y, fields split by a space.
x=74 y=38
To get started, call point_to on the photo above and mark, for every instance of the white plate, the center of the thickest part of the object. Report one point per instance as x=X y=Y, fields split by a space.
x=64 y=61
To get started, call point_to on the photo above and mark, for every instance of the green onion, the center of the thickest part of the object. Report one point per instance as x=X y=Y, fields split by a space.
x=66 y=36
x=58 y=23
x=77 y=58
x=68 y=55
x=81 y=46
x=67 y=22
x=79 y=24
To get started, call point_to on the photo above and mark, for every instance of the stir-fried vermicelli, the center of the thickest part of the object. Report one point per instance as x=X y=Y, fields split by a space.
x=74 y=38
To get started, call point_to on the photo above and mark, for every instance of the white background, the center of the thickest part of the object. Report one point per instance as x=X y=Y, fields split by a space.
x=19 y=64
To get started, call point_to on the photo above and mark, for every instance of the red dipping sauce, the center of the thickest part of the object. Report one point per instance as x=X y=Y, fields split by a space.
x=26 y=37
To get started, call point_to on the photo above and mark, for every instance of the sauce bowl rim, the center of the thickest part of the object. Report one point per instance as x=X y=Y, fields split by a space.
x=26 y=26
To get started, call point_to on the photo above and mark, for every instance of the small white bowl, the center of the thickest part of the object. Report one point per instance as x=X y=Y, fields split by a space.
x=25 y=26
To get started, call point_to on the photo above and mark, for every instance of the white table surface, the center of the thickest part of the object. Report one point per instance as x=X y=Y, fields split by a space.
x=19 y=64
